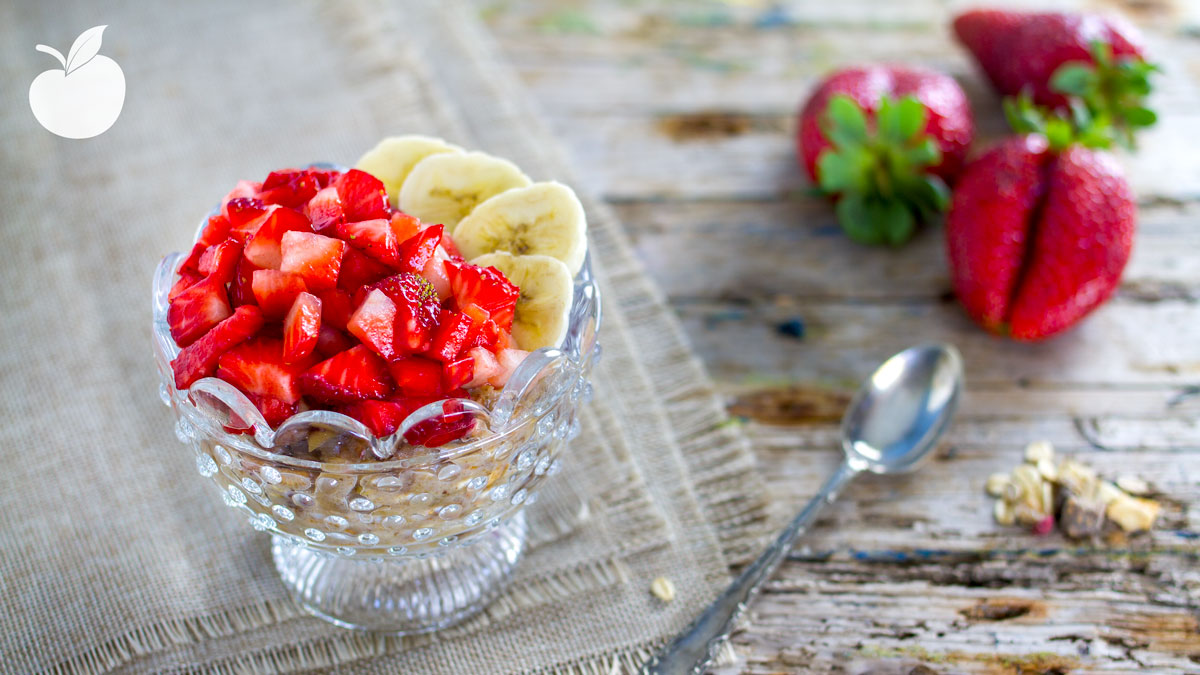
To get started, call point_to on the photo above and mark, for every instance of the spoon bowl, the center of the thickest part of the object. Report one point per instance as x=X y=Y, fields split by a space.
x=900 y=411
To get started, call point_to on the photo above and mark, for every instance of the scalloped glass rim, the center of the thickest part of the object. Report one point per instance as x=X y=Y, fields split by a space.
x=501 y=420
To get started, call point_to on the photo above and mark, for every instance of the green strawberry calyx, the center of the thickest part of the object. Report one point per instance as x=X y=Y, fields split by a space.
x=881 y=175
x=1113 y=90
x=1080 y=126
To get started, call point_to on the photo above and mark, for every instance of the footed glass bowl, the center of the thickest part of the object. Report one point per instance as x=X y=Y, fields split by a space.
x=399 y=538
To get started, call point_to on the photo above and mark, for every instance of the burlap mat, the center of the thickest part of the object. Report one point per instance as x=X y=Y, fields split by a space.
x=113 y=553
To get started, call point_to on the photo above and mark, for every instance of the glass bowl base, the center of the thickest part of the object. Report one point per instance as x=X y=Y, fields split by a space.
x=402 y=596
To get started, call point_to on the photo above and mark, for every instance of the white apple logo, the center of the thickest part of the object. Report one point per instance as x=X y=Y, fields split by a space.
x=85 y=97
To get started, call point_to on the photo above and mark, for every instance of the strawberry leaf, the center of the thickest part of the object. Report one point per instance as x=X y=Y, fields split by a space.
x=845 y=125
x=1112 y=89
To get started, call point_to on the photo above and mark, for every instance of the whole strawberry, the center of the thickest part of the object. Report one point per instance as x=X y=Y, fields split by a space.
x=884 y=141
x=1056 y=56
x=1037 y=236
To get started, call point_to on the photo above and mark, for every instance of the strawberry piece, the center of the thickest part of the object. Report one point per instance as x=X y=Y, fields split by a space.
x=191 y=264
x=241 y=210
x=363 y=196
x=215 y=231
x=256 y=367
x=358 y=270
x=486 y=287
x=324 y=210
x=404 y=226
x=241 y=288
x=450 y=336
x=374 y=323
x=336 y=308
x=449 y=248
x=330 y=341
x=186 y=281
x=454 y=423
x=381 y=417
x=324 y=177
x=288 y=187
x=485 y=367
x=275 y=411
x=417 y=376
x=352 y=375
x=417 y=251
x=263 y=248
x=244 y=189
x=316 y=258
x=195 y=310
x=374 y=238
x=301 y=328
x=417 y=310
x=199 y=359
x=275 y=291
x=220 y=262
x=459 y=372
x=436 y=274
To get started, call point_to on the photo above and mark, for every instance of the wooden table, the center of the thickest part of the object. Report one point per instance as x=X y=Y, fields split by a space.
x=681 y=116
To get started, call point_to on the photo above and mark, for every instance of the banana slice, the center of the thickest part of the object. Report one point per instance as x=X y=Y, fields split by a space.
x=542 y=219
x=544 y=308
x=445 y=187
x=394 y=157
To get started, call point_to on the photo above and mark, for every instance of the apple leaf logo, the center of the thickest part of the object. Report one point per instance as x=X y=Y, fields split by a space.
x=85 y=97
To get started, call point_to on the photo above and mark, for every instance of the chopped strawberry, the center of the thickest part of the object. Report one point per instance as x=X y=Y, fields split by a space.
x=314 y=257
x=449 y=248
x=509 y=359
x=289 y=187
x=352 y=375
x=275 y=411
x=374 y=324
x=244 y=188
x=404 y=226
x=330 y=340
x=215 y=231
x=417 y=376
x=417 y=310
x=485 y=367
x=450 y=336
x=191 y=264
x=301 y=328
x=363 y=195
x=324 y=177
x=504 y=341
x=186 y=281
x=417 y=251
x=275 y=291
x=381 y=417
x=324 y=209
x=199 y=359
x=452 y=425
x=486 y=287
x=435 y=272
x=336 y=308
x=374 y=238
x=219 y=262
x=241 y=210
x=241 y=288
x=194 y=311
x=257 y=367
x=358 y=270
x=263 y=248
x=484 y=332
x=459 y=372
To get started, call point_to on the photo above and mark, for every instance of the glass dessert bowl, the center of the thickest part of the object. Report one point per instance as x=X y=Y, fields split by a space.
x=406 y=532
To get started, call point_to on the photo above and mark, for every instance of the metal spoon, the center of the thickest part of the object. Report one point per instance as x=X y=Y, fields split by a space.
x=891 y=425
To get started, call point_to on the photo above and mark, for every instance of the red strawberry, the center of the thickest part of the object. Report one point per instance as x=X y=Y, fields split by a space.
x=324 y=210
x=417 y=251
x=247 y=189
x=336 y=308
x=215 y=231
x=289 y=187
x=199 y=359
x=1036 y=238
x=450 y=337
x=381 y=417
x=186 y=280
x=275 y=291
x=459 y=373
x=330 y=340
x=417 y=310
x=363 y=196
x=404 y=226
x=316 y=258
x=352 y=375
x=196 y=310
x=417 y=376
x=220 y=262
x=453 y=424
x=274 y=411
x=884 y=140
x=358 y=270
x=257 y=367
x=486 y=287
x=374 y=324
x=241 y=288
x=242 y=210
x=324 y=177
x=263 y=248
x=301 y=328
x=374 y=238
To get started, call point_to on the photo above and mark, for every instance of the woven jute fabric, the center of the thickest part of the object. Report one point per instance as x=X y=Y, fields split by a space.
x=114 y=554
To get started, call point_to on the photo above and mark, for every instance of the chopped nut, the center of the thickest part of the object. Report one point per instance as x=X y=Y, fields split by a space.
x=1012 y=492
x=1002 y=511
x=1039 y=450
x=1081 y=518
x=1079 y=478
x=1106 y=492
x=1026 y=515
x=996 y=484
x=1047 y=469
x=1133 y=485
x=1133 y=514
x=1034 y=494
x=663 y=589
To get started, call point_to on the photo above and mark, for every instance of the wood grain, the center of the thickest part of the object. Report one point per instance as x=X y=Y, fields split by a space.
x=681 y=116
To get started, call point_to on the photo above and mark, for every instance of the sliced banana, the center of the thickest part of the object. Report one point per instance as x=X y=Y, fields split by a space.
x=544 y=308
x=393 y=158
x=445 y=187
x=542 y=219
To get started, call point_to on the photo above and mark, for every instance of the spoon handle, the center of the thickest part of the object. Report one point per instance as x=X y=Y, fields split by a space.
x=696 y=647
